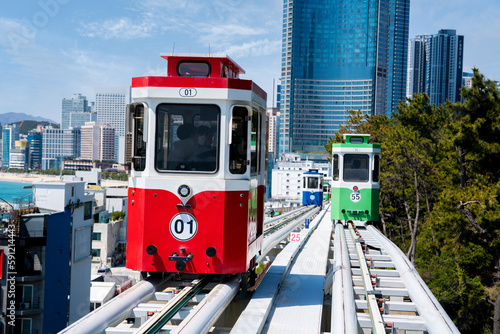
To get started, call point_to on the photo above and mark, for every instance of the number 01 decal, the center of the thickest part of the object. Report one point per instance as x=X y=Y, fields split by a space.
x=183 y=226
x=187 y=92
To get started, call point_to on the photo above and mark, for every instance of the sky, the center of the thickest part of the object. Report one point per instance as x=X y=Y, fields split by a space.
x=52 y=49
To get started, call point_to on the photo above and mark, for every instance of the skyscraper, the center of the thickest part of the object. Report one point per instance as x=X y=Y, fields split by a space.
x=10 y=133
x=77 y=104
x=435 y=66
x=35 y=137
x=58 y=144
x=339 y=56
x=110 y=104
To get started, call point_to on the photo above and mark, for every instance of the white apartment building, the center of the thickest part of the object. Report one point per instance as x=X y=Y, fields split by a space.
x=98 y=142
x=287 y=177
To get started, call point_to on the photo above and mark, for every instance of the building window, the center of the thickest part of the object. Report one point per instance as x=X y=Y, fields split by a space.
x=96 y=252
x=87 y=210
x=27 y=296
x=96 y=236
x=26 y=326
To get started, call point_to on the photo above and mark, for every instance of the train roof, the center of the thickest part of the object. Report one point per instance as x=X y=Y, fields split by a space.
x=312 y=172
x=356 y=140
x=234 y=70
x=199 y=71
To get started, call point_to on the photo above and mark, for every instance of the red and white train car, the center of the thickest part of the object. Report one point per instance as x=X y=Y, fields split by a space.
x=197 y=142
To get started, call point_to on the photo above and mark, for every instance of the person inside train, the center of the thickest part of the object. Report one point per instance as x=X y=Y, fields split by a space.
x=356 y=167
x=206 y=152
x=183 y=149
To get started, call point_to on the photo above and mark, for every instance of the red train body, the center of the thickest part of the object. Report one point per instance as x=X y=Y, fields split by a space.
x=197 y=142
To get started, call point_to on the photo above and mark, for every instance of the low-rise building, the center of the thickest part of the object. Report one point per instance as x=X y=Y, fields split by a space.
x=41 y=291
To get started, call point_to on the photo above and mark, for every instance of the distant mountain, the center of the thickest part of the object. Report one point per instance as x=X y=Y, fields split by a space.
x=13 y=117
x=27 y=126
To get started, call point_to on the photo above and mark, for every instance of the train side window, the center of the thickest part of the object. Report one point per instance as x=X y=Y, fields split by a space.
x=376 y=168
x=255 y=144
x=136 y=137
x=336 y=171
x=239 y=141
x=356 y=167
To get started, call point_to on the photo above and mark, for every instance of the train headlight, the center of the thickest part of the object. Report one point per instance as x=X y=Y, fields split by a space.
x=184 y=191
x=355 y=188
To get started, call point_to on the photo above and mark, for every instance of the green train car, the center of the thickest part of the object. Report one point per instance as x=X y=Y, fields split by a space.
x=355 y=187
x=326 y=189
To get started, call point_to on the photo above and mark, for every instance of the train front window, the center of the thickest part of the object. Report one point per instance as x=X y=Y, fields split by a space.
x=356 y=167
x=187 y=137
x=312 y=183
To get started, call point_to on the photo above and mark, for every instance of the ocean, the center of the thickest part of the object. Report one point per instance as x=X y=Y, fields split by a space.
x=10 y=191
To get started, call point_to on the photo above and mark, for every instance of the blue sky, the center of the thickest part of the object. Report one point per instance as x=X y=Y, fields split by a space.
x=51 y=49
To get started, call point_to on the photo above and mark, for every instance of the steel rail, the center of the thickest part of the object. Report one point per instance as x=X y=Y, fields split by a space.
x=115 y=310
x=427 y=305
x=268 y=230
x=378 y=326
x=285 y=215
x=155 y=323
x=272 y=240
x=209 y=309
x=344 y=319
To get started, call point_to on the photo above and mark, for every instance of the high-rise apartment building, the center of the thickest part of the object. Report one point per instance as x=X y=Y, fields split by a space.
x=339 y=56
x=78 y=105
x=98 y=142
x=110 y=105
x=435 y=66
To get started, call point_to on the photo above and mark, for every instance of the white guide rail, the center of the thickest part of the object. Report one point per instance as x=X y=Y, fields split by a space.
x=386 y=285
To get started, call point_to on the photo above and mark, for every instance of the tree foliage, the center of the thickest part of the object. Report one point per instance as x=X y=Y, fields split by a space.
x=439 y=198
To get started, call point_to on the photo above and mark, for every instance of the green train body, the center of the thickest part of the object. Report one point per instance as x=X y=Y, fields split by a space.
x=327 y=189
x=355 y=188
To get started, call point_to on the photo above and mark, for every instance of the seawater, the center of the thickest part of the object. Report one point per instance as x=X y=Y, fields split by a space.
x=11 y=191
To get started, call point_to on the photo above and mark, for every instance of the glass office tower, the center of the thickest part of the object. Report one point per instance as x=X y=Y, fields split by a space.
x=339 y=56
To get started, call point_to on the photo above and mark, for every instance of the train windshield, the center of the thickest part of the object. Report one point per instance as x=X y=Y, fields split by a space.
x=187 y=137
x=312 y=182
x=356 y=167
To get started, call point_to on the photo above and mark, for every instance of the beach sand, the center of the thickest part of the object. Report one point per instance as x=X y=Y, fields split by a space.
x=24 y=177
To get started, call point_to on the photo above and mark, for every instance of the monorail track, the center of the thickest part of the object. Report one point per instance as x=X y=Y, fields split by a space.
x=154 y=306
x=338 y=279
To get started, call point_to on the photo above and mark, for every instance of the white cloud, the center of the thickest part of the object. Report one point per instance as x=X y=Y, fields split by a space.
x=15 y=34
x=263 y=47
x=122 y=28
